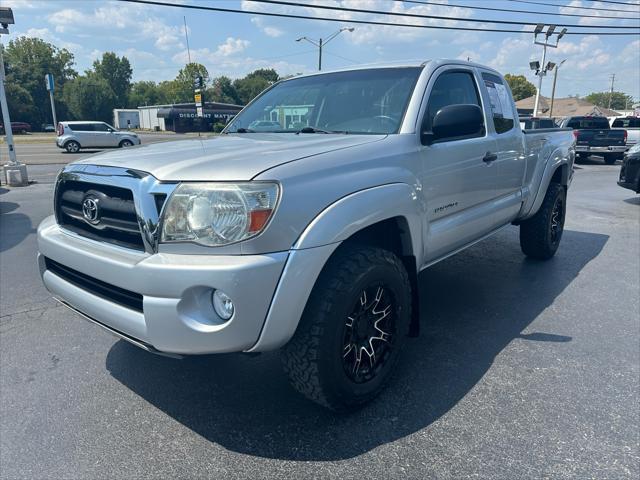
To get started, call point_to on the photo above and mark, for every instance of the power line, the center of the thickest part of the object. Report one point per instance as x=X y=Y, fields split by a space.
x=357 y=22
x=617 y=3
x=575 y=8
x=430 y=17
x=493 y=9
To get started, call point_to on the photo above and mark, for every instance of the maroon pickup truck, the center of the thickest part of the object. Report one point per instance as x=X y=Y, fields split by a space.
x=17 y=127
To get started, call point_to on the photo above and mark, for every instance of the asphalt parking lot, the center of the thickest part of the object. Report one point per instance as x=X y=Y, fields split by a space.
x=524 y=369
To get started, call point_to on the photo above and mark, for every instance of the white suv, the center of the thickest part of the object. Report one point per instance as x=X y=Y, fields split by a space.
x=72 y=136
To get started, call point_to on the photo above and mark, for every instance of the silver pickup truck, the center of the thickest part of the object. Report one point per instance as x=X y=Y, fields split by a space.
x=308 y=235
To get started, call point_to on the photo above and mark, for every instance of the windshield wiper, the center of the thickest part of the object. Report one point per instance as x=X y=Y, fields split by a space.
x=316 y=130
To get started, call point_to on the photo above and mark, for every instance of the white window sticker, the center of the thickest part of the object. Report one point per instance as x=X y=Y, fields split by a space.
x=507 y=111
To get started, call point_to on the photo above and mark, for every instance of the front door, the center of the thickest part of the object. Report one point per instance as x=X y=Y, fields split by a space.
x=458 y=174
x=104 y=136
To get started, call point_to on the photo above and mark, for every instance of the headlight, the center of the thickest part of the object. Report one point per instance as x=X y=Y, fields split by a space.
x=216 y=214
x=635 y=148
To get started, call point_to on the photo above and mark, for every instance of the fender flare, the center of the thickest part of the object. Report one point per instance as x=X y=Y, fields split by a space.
x=320 y=239
x=557 y=160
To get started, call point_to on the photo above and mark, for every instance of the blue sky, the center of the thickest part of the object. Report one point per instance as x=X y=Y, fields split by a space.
x=152 y=37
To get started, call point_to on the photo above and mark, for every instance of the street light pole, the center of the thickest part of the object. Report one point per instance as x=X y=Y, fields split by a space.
x=541 y=69
x=322 y=42
x=553 y=89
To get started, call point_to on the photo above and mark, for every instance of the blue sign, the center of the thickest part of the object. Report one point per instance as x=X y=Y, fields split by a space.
x=48 y=80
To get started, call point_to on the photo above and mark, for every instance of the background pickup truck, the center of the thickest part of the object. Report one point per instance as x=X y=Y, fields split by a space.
x=632 y=127
x=309 y=234
x=595 y=137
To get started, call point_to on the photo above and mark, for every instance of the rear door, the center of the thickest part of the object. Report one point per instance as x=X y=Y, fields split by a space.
x=457 y=181
x=511 y=162
x=84 y=133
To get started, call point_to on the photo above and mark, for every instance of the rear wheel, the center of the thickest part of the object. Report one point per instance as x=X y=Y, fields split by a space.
x=610 y=158
x=72 y=146
x=126 y=143
x=540 y=235
x=352 y=330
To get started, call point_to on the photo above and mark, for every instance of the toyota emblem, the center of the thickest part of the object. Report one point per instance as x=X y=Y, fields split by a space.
x=90 y=210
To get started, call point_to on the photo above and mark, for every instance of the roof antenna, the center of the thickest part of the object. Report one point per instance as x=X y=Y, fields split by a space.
x=186 y=35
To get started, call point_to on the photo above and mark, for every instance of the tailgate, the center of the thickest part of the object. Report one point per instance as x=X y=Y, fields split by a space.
x=600 y=138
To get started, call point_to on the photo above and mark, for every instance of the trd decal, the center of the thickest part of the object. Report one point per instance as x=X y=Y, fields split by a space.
x=444 y=207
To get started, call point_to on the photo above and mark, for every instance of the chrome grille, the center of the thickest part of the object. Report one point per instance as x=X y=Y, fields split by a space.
x=126 y=205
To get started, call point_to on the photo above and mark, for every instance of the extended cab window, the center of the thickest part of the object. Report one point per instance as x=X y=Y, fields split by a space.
x=500 y=103
x=451 y=88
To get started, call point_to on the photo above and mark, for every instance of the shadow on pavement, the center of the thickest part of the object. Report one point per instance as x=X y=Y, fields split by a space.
x=14 y=227
x=633 y=200
x=475 y=304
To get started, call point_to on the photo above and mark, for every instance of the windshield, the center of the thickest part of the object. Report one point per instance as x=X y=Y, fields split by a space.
x=371 y=101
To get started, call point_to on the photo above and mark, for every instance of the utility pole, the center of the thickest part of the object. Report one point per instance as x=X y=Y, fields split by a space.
x=322 y=42
x=540 y=68
x=553 y=89
x=612 y=77
x=186 y=35
x=15 y=173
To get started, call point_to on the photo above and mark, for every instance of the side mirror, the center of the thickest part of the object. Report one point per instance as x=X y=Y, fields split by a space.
x=456 y=121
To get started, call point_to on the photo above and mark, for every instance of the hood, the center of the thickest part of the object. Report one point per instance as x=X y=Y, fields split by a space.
x=226 y=157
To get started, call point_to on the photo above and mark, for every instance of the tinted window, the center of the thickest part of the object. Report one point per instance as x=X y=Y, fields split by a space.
x=81 y=127
x=500 y=103
x=588 y=122
x=101 y=127
x=626 y=122
x=451 y=88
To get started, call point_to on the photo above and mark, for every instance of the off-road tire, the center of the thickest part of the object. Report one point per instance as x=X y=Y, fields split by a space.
x=126 y=144
x=313 y=358
x=72 y=146
x=610 y=158
x=536 y=233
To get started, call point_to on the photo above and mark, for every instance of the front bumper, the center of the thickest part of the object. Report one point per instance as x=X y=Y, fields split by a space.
x=177 y=316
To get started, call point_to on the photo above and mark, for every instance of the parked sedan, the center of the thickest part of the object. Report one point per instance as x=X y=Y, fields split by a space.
x=17 y=127
x=72 y=136
x=630 y=170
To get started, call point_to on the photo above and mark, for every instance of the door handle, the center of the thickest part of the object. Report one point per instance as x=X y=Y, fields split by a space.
x=489 y=157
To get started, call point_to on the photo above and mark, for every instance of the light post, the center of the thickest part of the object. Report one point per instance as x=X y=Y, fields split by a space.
x=15 y=173
x=322 y=42
x=541 y=69
x=553 y=89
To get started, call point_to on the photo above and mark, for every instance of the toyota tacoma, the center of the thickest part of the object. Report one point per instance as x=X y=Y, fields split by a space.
x=307 y=235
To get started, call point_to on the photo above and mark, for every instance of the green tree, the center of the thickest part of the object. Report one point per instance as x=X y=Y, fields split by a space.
x=27 y=61
x=520 y=86
x=20 y=103
x=248 y=87
x=145 y=93
x=117 y=72
x=180 y=90
x=619 y=100
x=90 y=98
x=223 y=91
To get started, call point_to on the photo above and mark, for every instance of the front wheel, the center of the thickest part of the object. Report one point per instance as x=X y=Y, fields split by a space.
x=126 y=144
x=540 y=235
x=352 y=330
x=72 y=146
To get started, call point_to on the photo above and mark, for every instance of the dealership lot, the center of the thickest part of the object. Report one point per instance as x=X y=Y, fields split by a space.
x=523 y=369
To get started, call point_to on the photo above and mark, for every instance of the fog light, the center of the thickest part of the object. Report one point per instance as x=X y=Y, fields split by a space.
x=222 y=304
